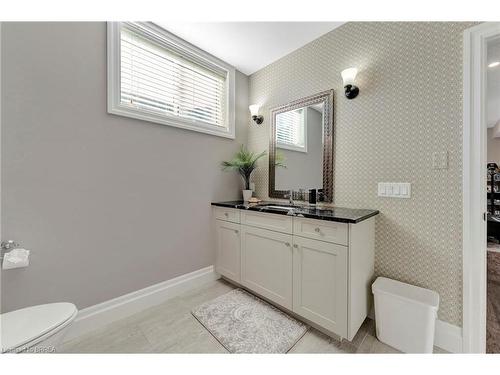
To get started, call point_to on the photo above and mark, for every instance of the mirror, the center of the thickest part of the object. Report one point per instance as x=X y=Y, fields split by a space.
x=301 y=147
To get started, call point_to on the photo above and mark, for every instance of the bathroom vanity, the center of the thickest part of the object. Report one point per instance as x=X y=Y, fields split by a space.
x=316 y=263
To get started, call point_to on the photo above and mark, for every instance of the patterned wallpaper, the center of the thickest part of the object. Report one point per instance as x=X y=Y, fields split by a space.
x=409 y=106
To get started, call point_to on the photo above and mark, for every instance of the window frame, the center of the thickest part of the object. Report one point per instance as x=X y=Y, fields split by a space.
x=185 y=49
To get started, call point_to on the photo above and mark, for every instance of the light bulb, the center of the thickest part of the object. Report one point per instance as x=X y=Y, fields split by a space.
x=349 y=76
x=254 y=109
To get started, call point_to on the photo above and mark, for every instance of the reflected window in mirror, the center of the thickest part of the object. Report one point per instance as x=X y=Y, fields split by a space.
x=301 y=147
x=301 y=154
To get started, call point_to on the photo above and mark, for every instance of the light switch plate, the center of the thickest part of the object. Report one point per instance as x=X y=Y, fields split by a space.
x=394 y=189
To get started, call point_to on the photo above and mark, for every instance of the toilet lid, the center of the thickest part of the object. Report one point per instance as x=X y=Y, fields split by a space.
x=19 y=327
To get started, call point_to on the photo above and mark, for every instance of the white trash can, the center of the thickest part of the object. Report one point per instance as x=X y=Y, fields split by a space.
x=405 y=315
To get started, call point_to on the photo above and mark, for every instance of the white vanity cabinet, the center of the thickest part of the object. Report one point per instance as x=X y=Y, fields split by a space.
x=320 y=270
x=320 y=283
x=228 y=256
x=266 y=264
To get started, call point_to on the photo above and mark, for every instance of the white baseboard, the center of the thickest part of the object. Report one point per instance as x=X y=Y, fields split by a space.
x=446 y=336
x=97 y=316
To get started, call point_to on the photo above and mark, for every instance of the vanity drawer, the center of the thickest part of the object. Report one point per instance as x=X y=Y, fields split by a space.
x=276 y=222
x=330 y=231
x=227 y=214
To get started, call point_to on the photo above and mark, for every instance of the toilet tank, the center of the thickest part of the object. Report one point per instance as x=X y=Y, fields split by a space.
x=405 y=315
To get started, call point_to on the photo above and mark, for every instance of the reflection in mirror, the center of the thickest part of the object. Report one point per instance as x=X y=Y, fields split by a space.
x=299 y=148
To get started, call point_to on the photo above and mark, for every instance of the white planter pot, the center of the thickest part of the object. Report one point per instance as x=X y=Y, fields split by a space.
x=247 y=194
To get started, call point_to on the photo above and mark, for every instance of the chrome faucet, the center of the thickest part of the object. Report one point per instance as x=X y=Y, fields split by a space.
x=290 y=197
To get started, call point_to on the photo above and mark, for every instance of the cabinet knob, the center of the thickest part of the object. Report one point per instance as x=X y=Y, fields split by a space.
x=236 y=231
x=317 y=230
x=295 y=245
x=226 y=214
x=287 y=244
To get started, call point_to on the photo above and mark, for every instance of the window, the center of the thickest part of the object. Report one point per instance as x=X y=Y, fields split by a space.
x=157 y=77
x=291 y=130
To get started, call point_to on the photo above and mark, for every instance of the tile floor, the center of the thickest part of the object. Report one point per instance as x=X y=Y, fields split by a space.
x=170 y=328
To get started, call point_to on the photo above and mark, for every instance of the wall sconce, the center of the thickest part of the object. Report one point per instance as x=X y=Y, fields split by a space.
x=349 y=77
x=254 y=111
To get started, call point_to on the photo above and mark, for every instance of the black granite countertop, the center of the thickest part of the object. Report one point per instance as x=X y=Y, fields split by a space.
x=340 y=214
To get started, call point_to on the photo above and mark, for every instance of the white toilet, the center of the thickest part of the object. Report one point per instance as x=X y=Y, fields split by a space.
x=36 y=329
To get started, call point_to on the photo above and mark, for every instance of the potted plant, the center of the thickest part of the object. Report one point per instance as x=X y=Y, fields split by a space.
x=245 y=163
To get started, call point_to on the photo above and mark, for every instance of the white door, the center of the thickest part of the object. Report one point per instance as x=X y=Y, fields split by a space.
x=266 y=264
x=228 y=250
x=320 y=283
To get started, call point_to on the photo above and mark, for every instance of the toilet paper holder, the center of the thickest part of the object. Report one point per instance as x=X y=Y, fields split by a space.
x=6 y=246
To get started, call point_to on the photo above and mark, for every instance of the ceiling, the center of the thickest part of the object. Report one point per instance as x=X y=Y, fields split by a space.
x=249 y=46
x=493 y=84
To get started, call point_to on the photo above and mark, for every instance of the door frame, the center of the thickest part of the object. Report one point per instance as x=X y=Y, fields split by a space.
x=474 y=187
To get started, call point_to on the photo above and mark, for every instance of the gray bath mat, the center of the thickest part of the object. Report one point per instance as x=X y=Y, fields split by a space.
x=244 y=323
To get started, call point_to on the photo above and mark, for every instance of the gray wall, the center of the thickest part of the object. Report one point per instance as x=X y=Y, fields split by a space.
x=304 y=170
x=493 y=147
x=108 y=205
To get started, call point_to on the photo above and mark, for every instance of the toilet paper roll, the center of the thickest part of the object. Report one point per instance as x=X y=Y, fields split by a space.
x=16 y=258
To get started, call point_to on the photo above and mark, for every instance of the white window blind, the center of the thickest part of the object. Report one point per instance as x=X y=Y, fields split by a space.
x=154 y=78
x=290 y=130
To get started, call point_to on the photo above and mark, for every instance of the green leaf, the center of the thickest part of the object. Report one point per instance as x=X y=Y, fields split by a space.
x=244 y=162
x=280 y=159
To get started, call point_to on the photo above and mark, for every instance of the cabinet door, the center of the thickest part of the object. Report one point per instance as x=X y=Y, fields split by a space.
x=228 y=250
x=320 y=283
x=266 y=264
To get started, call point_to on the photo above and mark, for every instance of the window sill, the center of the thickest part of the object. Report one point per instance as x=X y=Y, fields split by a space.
x=141 y=114
x=291 y=148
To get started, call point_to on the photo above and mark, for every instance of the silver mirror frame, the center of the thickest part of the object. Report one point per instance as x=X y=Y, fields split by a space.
x=325 y=97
